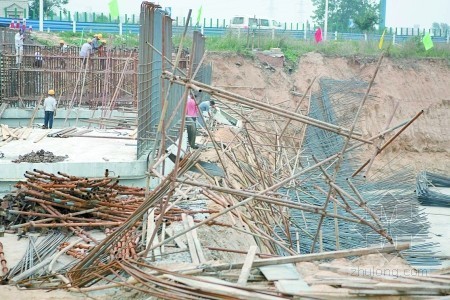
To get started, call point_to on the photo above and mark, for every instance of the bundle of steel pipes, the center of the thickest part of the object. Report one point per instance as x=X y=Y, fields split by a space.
x=47 y=200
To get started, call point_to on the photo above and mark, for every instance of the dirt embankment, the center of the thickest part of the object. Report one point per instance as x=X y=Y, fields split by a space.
x=415 y=84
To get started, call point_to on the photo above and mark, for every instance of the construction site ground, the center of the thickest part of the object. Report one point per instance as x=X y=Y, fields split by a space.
x=415 y=84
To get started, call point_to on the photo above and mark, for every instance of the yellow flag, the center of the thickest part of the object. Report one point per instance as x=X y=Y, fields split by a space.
x=114 y=9
x=199 y=15
x=427 y=41
x=380 y=44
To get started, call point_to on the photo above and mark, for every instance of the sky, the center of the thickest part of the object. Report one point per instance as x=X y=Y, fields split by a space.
x=399 y=13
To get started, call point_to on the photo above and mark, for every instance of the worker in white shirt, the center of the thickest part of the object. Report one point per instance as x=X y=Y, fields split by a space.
x=86 y=51
x=63 y=50
x=18 y=39
x=38 y=59
x=63 y=47
x=49 y=109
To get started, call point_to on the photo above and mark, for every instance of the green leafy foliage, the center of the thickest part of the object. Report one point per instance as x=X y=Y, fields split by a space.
x=49 y=6
x=340 y=12
x=366 y=20
x=102 y=19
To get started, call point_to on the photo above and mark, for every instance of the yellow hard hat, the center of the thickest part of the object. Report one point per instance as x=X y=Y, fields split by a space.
x=51 y=92
x=103 y=41
x=95 y=35
x=99 y=35
x=61 y=42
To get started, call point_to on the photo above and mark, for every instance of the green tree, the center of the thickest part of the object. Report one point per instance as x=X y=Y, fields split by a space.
x=440 y=28
x=341 y=11
x=49 y=6
x=436 y=26
x=102 y=19
x=366 y=20
x=445 y=27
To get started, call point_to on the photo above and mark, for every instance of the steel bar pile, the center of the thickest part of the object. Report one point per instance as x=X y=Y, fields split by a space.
x=47 y=200
x=36 y=258
x=430 y=189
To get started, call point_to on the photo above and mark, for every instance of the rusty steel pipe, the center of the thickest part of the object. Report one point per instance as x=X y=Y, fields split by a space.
x=3 y=261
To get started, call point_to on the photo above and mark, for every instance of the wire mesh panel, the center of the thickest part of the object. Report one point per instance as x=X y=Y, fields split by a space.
x=155 y=46
x=160 y=103
x=204 y=71
x=389 y=196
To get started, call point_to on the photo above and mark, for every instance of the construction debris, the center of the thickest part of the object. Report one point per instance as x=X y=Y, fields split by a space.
x=46 y=200
x=290 y=181
x=40 y=156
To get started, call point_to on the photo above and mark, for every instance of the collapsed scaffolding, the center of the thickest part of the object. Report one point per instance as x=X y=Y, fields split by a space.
x=294 y=184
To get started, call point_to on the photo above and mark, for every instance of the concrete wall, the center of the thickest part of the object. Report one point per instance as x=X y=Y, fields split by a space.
x=131 y=173
x=15 y=117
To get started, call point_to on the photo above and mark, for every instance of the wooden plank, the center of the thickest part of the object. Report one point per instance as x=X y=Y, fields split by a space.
x=9 y=131
x=4 y=133
x=133 y=133
x=12 y=135
x=39 y=138
x=197 y=244
x=33 y=115
x=22 y=132
x=178 y=241
x=222 y=289
x=190 y=240
x=27 y=135
x=316 y=256
x=247 y=267
x=163 y=236
x=151 y=227
x=369 y=292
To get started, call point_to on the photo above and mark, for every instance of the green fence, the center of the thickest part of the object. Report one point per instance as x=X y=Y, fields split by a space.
x=206 y=22
x=85 y=17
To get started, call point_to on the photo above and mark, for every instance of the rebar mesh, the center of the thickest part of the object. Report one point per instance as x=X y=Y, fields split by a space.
x=390 y=197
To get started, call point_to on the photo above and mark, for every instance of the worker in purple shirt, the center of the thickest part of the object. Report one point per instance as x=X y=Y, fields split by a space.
x=191 y=119
x=206 y=106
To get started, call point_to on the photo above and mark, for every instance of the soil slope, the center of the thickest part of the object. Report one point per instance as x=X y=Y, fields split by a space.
x=415 y=84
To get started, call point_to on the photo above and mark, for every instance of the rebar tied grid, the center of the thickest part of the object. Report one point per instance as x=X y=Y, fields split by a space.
x=112 y=75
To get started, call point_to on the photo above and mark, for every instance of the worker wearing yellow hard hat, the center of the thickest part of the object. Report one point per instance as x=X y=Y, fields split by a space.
x=96 y=41
x=49 y=109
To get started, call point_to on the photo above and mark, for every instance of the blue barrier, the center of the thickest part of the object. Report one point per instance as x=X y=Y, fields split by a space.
x=91 y=27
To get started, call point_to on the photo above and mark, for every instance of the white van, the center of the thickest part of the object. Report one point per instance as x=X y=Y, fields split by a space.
x=245 y=22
